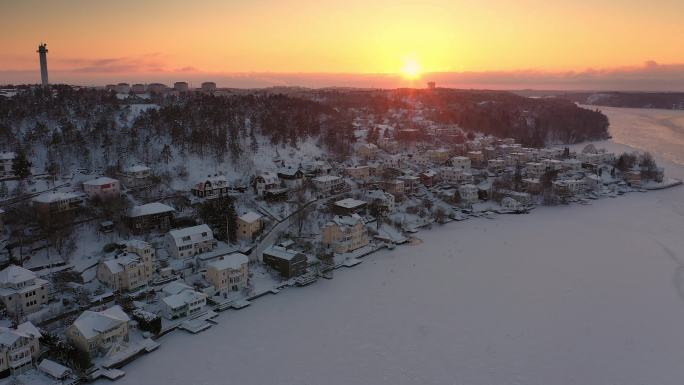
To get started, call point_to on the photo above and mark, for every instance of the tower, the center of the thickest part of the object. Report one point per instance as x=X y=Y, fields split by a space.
x=42 y=53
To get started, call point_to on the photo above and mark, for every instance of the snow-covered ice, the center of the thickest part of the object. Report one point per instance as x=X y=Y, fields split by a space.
x=566 y=295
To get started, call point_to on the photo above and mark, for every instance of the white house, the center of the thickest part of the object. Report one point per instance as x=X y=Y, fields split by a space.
x=461 y=163
x=136 y=176
x=181 y=301
x=21 y=291
x=228 y=273
x=468 y=193
x=327 y=184
x=103 y=188
x=266 y=181
x=130 y=269
x=383 y=198
x=19 y=347
x=94 y=332
x=344 y=233
x=189 y=241
x=6 y=162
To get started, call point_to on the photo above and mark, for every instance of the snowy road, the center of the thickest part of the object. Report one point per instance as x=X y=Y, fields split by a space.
x=566 y=295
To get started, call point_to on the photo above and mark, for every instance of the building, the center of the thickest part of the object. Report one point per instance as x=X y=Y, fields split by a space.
x=150 y=216
x=156 y=88
x=42 y=56
x=102 y=188
x=97 y=332
x=130 y=268
x=440 y=155
x=633 y=178
x=395 y=187
x=181 y=86
x=265 y=183
x=368 y=151
x=358 y=172
x=452 y=175
x=535 y=169
x=182 y=302
x=21 y=291
x=476 y=157
x=136 y=176
x=291 y=177
x=468 y=193
x=496 y=166
x=345 y=233
x=208 y=87
x=428 y=178
x=328 y=184
x=54 y=370
x=532 y=185
x=349 y=206
x=461 y=163
x=228 y=273
x=382 y=198
x=19 y=347
x=138 y=88
x=54 y=203
x=288 y=263
x=6 y=163
x=212 y=187
x=248 y=226
x=190 y=241
x=388 y=145
x=122 y=88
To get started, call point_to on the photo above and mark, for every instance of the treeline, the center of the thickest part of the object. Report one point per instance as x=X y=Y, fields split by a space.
x=665 y=100
x=533 y=122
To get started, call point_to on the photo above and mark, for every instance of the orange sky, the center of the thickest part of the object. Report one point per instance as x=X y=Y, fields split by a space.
x=127 y=39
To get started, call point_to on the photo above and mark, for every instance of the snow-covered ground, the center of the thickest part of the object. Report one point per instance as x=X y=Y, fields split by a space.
x=566 y=295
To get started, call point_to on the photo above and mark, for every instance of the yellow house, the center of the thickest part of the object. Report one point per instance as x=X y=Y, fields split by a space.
x=21 y=291
x=128 y=270
x=228 y=273
x=95 y=332
x=345 y=234
x=248 y=226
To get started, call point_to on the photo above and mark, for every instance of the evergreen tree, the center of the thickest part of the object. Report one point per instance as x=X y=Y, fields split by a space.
x=21 y=167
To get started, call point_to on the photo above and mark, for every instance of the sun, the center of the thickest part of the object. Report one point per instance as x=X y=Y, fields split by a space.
x=411 y=69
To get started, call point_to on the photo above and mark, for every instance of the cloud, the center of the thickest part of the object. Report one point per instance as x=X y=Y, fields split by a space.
x=649 y=76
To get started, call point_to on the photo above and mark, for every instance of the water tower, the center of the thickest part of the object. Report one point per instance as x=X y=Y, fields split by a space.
x=42 y=53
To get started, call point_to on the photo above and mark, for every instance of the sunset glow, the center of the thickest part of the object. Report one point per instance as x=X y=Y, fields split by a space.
x=167 y=40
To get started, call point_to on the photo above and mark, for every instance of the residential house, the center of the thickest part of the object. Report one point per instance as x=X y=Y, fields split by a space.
x=96 y=332
x=440 y=155
x=190 y=241
x=476 y=157
x=328 y=184
x=150 y=216
x=358 y=172
x=128 y=269
x=103 y=188
x=291 y=177
x=572 y=165
x=368 y=151
x=248 y=226
x=428 y=178
x=267 y=185
x=593 y=182
x=56 y=203
x=388 y=145
x=395 y=187
x=211 y=187
x=532 y=185
x=411 y=183
x=345 y=233
x=461 y=163
x=22 y=291
x=136 y=176
x=382 y=198
x=468 y=193
x=6 y=164
x=228 y=273
x=633 y=178
x=496 y=166
x=181 y=301
x=288 y=263
x=534 y=169
x=19 y=347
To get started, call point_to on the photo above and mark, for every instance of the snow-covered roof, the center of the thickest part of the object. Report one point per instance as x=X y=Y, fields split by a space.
x=250 y=217
x=116 y=265
x=8 y=335
x=100 y=181
x=175 y=287
x=7 y=155
x=136 y=168
x=53 y=369
x=231 y=261
x=281 y=252
x=54 y=196
x=347 y=220
x=14 y=274
x=91 y=323
x=149 y=209
x=190 y=235
x=326 y=178
x=182 y=298
x=349 y=203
